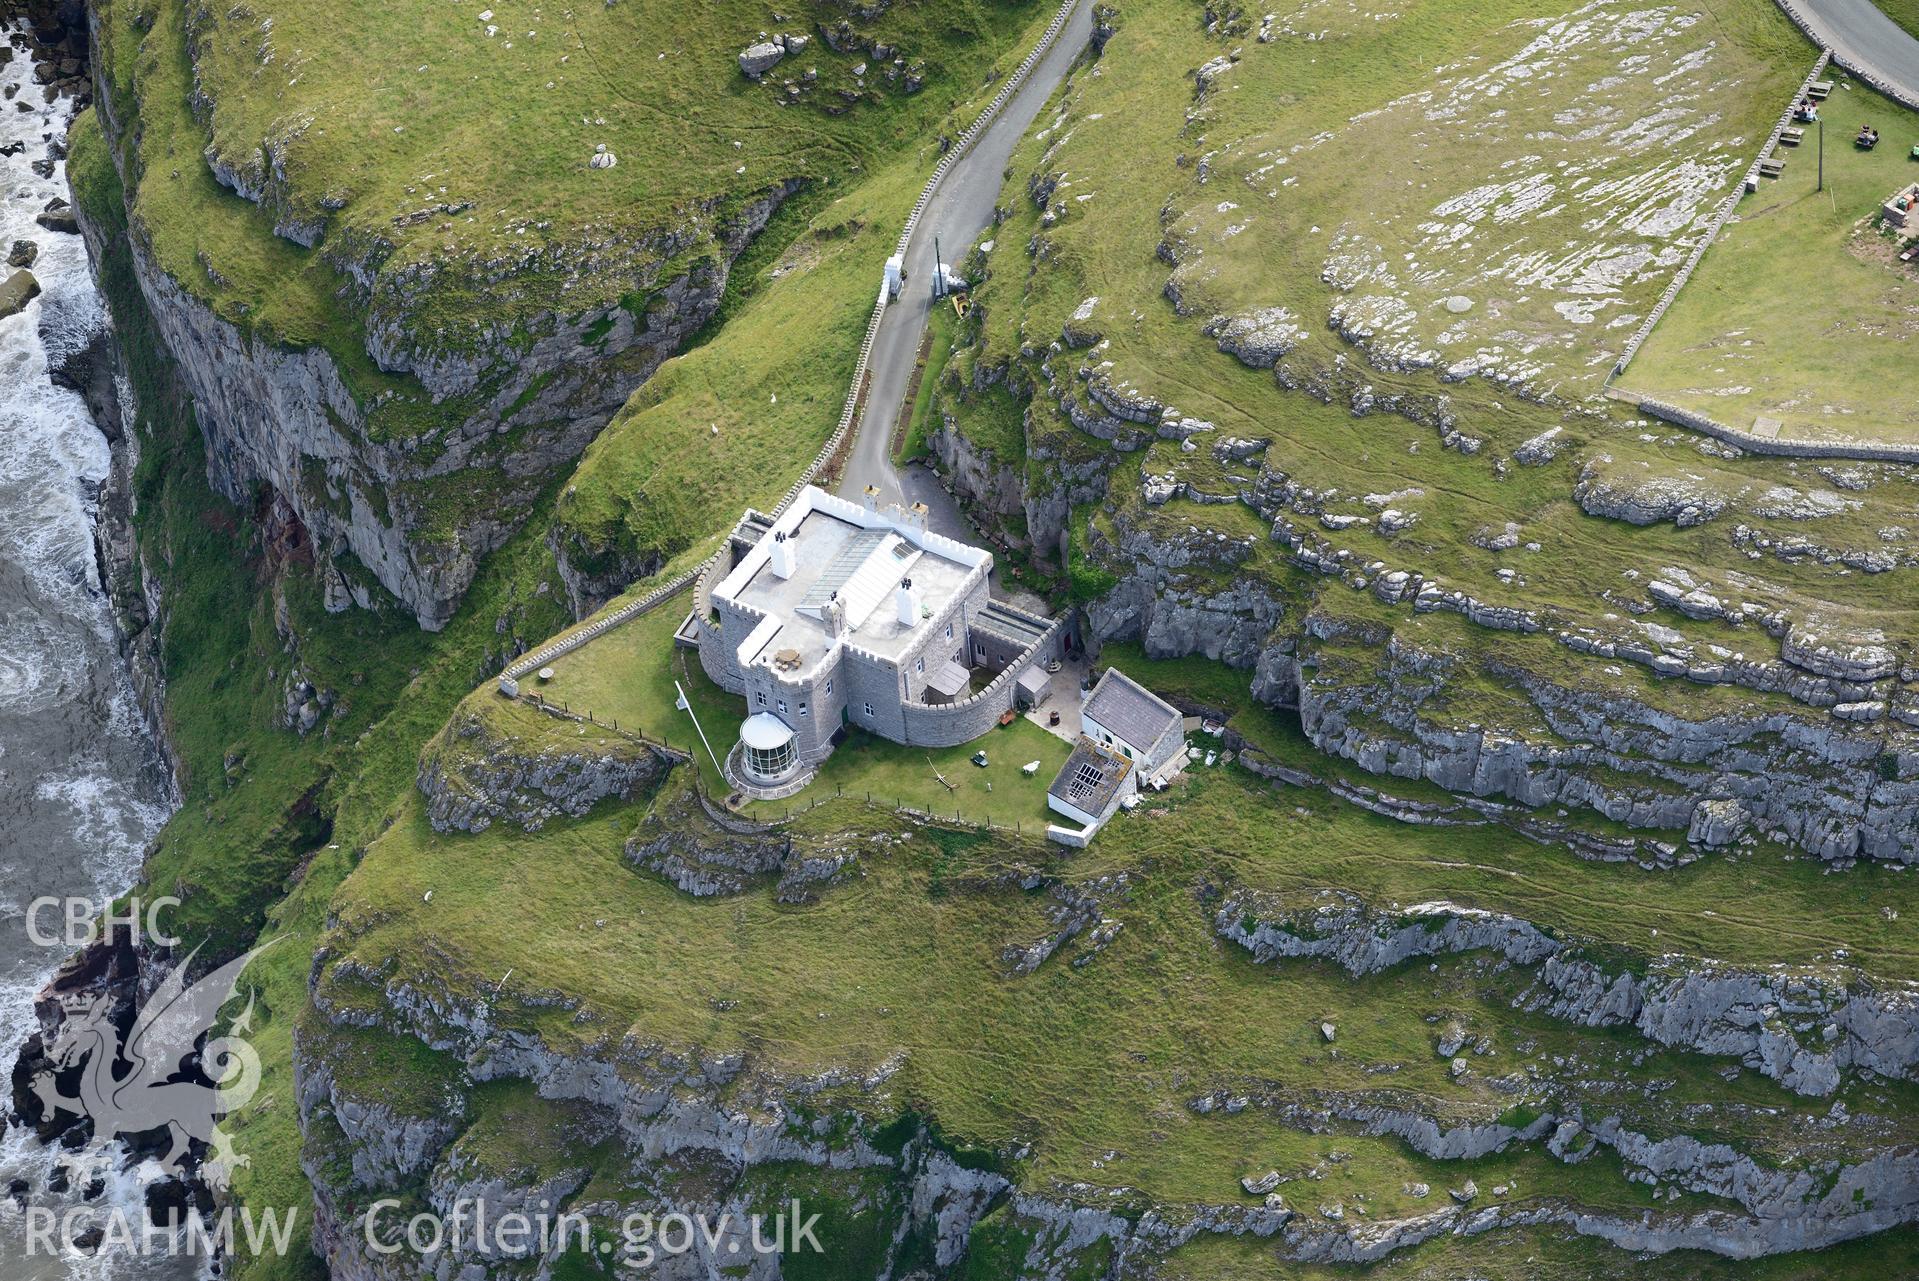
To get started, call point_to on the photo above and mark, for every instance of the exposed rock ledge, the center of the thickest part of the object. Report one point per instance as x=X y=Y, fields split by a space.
x=401 y=506
x=473 y=775
x=1834 y=788
x=723 y=1113
x=1803 y=1028
x=1780 y=1210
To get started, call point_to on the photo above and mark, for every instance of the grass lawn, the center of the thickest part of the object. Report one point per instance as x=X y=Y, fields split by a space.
x=627 y=677
x=896 y=774
x=939 y=327
x=1903 y=12
x=1801 y=311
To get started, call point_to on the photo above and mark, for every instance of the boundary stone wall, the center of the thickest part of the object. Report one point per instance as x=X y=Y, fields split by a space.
x=1782 y=448
x=1720 y=217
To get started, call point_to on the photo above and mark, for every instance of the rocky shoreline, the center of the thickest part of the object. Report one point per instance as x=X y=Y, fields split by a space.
x=53 y=33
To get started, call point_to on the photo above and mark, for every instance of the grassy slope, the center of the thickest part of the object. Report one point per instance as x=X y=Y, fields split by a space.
x=1509 y=152
x=1106 y=248
x=544 y=232
x=293 y=818
x=1800 y=311
x=362 y=799
x=1094 y=1065
x=733 y=421
x=419 y=106
x=1086 y=1062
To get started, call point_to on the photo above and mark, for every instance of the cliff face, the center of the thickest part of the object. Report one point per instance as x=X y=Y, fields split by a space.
x=715 y=1134
x=473 y=776
x=1785 y=762
x=687 y=1134
x=414 y=514
x=1836 y=789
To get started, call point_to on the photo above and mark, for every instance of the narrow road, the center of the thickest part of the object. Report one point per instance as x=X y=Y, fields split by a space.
x=1862 y=37
x=961 y=208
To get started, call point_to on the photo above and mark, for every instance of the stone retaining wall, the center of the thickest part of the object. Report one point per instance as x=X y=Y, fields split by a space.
x=1720 y=217
x=1782 y=448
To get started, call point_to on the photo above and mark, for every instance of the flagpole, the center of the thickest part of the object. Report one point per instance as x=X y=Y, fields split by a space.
x=687 y=704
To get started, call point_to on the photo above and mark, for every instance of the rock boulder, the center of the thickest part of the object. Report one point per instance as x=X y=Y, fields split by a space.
x=16 y=292
x=757 y=60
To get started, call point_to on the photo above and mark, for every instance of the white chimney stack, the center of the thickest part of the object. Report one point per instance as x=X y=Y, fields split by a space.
x=782 y=555
x=907 y=601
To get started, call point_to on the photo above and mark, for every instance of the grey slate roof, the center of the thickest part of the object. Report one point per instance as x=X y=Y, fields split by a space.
x=949 y=678
x=1130 y=710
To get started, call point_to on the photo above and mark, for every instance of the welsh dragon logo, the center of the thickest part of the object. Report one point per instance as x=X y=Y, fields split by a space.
x=144 y=1082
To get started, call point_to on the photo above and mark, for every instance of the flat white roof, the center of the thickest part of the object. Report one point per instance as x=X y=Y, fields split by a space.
x=843 y=551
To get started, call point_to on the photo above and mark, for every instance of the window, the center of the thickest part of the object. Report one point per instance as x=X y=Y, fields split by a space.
x=979 y=650
x=782 y=707
x=770 y=762
x=919 y=664
x=761 y=695
x=949 y=631
x=829 y=687
x=869 y=709
x=802 y=709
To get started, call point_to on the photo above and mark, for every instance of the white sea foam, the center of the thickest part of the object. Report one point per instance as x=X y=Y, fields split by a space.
x=82 y=792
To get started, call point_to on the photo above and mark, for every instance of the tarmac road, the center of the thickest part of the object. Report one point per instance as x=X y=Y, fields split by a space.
x=961 y=208
x=1859 y=35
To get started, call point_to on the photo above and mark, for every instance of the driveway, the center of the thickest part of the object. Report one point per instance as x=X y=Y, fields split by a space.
x=961 y=208
x=1863 y=38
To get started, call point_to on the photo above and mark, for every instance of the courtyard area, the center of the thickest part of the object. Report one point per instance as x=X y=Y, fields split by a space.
x=626 y=678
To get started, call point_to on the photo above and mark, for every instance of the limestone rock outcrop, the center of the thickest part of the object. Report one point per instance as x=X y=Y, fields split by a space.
x=389 y=500
x=473 y=776
x=701 y=850
x=1802 y=1028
